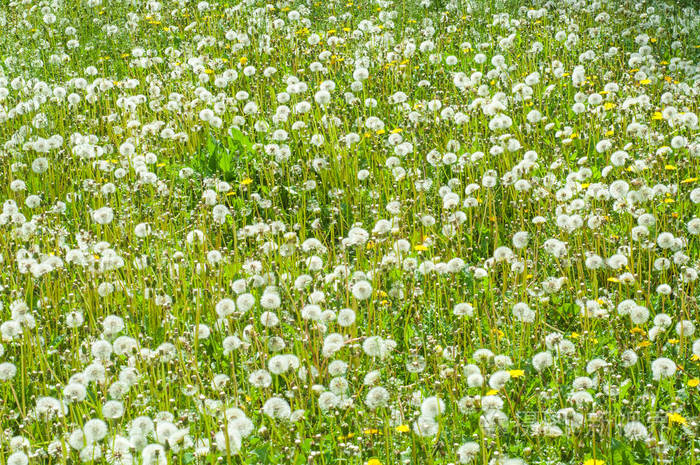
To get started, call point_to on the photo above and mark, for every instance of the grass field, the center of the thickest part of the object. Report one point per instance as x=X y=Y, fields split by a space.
x=349 y=232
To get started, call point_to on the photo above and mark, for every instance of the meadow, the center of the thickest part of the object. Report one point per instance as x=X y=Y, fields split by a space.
x=349 y=232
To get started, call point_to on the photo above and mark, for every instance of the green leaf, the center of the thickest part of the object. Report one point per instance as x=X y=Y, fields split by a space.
x=621 y=453
x=262 y=453
x=624 y=389
x=242 y=139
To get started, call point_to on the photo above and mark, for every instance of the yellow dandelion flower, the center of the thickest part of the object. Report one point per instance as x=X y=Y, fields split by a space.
x=674 y=418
